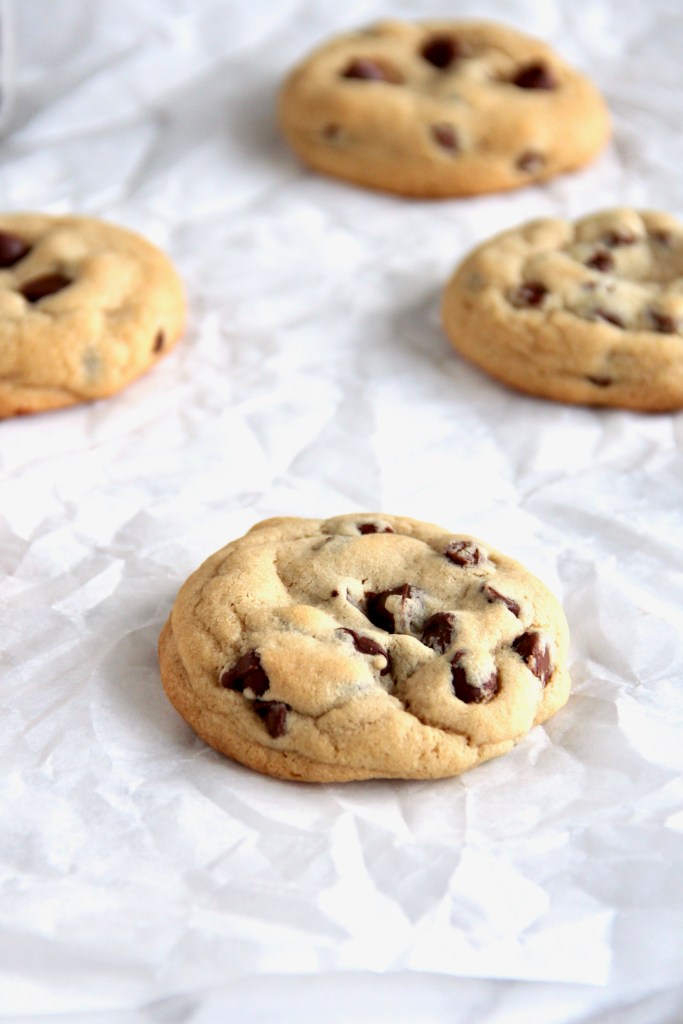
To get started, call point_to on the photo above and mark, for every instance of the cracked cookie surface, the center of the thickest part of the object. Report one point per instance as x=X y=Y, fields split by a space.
x=441 y=108
x=363 y=646
x=589 y=311
x=85 y=308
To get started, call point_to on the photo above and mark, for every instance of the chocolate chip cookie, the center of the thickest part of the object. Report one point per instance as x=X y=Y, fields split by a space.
x=588 y=312
x=441 y=108
x=85 y=308
x=364 y=646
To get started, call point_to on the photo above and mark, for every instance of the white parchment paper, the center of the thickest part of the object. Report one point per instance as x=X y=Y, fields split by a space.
x=143 y=876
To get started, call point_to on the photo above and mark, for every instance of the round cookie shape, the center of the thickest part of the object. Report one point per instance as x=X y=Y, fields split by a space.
x=85 y=308
x=589 y=312
x=363 y=646
x=441 y=108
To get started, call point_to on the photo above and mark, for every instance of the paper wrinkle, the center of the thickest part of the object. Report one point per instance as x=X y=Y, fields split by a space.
x=143 y=874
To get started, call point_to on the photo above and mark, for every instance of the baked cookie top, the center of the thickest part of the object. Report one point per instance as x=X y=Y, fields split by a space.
x=85 y=307
x=587 y=311
x=441 y=108
x=363 y=646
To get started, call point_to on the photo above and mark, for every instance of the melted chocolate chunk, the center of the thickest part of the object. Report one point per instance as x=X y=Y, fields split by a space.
x=12 y=249
x=530 y=161
x=600 y=382
x=406 y=612
x=610 y=318
x=40 y=287
x=491 y=595
x=274 y=715
x=373 y=528
x=471 y=691
x=366 y=645
x=246 y=674
x=461 y=553
x=446 y=136
x=602 y=261
x=442 y=51
x=530 y=293
x=159 y=342
x=439 y=631
x=372 y=71
x=663 y=323
x=535 y=76
x=534 y=651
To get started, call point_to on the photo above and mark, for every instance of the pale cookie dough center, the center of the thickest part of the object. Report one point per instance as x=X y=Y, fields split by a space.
x=374 y=608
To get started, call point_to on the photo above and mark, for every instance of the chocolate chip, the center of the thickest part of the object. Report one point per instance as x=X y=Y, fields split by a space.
x=534 y=651
x=373 y=528
x=602 y=261
x=491 y=595
x=530 y=293
x=274 y=715
x=621 y=236
x=159 y=342
x=441 y=51
x=600 y=382
x=246 y=674
x=366 y=645
x=335 y=593
x=610 y=318
x=460 y=552
x=662 y=323
x=663 y=237
x=530 y=161
x=407 y=609
x=535 y=76
x=438 y=631
x=446 y=136
x=372 y=71
x=40 y=287
x=12 y=249
x=332 y=132
x=471 y=691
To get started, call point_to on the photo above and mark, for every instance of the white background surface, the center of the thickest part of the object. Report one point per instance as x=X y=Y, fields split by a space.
x=145 y=878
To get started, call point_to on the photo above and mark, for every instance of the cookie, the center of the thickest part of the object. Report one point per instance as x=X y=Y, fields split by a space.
x=441 y=108
x=85 y=308
x=588 y=311
x=363 y=646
